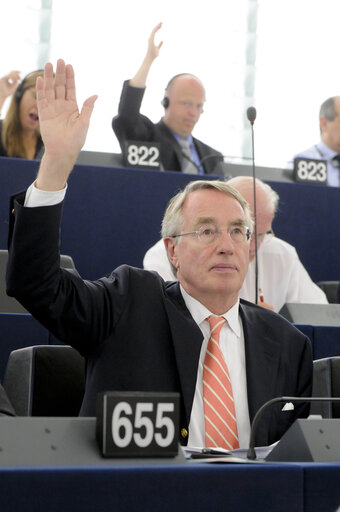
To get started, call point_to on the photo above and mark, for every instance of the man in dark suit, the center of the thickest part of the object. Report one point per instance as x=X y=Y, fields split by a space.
x=136 y=331
x=183 y=105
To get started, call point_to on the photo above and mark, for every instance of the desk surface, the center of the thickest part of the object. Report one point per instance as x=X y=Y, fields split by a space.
x=67 y=472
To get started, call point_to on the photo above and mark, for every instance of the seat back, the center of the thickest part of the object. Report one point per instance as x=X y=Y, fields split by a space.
x=326 y=383
x=9 y=304
x=45 y=380
x=332 y=290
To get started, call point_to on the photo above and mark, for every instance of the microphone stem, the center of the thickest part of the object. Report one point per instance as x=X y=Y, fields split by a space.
x=255 y=216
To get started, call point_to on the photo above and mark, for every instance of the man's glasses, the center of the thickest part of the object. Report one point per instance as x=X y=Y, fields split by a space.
x=209 y=233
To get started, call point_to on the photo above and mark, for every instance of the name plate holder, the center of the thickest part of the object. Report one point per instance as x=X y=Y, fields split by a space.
x=307 y=170
x=138 y=424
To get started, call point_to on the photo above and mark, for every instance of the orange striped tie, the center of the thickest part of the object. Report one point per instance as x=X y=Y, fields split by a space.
x=219 y=410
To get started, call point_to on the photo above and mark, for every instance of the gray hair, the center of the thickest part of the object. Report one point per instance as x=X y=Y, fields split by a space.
x=273 y=196
x=245 y=185
x=327 y=109
x=173 y=221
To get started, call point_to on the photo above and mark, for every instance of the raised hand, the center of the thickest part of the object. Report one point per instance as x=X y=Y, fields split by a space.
x=153 y=49
x=8 y=84
x=139 y=79
x=63 y=128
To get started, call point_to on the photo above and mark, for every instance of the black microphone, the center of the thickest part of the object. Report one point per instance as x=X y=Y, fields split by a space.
x=251 y=454
x=251 y=115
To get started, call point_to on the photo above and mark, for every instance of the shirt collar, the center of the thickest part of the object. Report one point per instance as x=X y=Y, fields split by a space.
x=178 y=138
x=200 y=312
x=325 y=151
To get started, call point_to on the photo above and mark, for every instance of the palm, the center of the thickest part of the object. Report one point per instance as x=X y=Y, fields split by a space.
x=61 y=126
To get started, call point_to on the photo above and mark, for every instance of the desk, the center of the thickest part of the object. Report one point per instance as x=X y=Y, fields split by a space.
x=184 y=488
x=152 y=489
x=112 y=216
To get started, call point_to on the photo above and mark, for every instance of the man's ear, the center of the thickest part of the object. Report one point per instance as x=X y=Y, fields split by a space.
x=171 y=248
x=323 y=124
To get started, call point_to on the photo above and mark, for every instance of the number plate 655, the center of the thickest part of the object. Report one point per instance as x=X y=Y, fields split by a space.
x=138 y=424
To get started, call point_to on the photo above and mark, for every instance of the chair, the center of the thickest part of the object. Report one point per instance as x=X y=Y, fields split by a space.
x=9 y=304
x=326 y=383
x=45 y=380
x=332 y=290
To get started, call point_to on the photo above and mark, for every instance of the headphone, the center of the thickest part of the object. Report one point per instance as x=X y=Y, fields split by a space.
x=22 y=86
x=165 y=102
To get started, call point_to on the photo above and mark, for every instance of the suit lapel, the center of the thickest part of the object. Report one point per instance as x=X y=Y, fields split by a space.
x=262 y=361
x=187 y=339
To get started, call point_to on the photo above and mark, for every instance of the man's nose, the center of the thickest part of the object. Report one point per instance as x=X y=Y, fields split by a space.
x=225 y=242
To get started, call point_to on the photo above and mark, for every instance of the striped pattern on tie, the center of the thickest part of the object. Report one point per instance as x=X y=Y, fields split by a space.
x=219 y=410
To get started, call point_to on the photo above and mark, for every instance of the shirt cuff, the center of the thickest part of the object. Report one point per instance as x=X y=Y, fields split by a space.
x=36 y=197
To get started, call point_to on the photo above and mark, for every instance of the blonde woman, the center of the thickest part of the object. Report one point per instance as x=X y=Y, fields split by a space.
x=19 y=130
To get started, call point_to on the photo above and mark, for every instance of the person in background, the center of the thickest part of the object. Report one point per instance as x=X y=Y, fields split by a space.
x=328 y=148
x=183 y=104
x=138 y=333
x=281 y=276
x=19 y=130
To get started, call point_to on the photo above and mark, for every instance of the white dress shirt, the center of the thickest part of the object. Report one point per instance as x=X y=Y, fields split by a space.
x=36 y=197
x=232 y=347
x=281 y=277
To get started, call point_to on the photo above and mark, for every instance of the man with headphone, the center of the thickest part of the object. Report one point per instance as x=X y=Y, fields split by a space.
x=183 y=105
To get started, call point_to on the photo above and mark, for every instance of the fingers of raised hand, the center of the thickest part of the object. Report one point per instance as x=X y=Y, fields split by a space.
x=87 y=109
x=60 y=86
x=60 y=80
x=47 y=84
x=154 y=31
x=70 y=84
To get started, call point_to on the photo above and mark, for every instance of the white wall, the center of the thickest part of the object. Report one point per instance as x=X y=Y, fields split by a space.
x=105 y=40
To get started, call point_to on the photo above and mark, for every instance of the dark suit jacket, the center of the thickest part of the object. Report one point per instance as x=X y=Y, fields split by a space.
x=131 y=125
x=136 y=332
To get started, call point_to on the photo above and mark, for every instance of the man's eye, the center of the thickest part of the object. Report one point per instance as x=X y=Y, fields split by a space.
x=237 y=231
x=208 y=231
